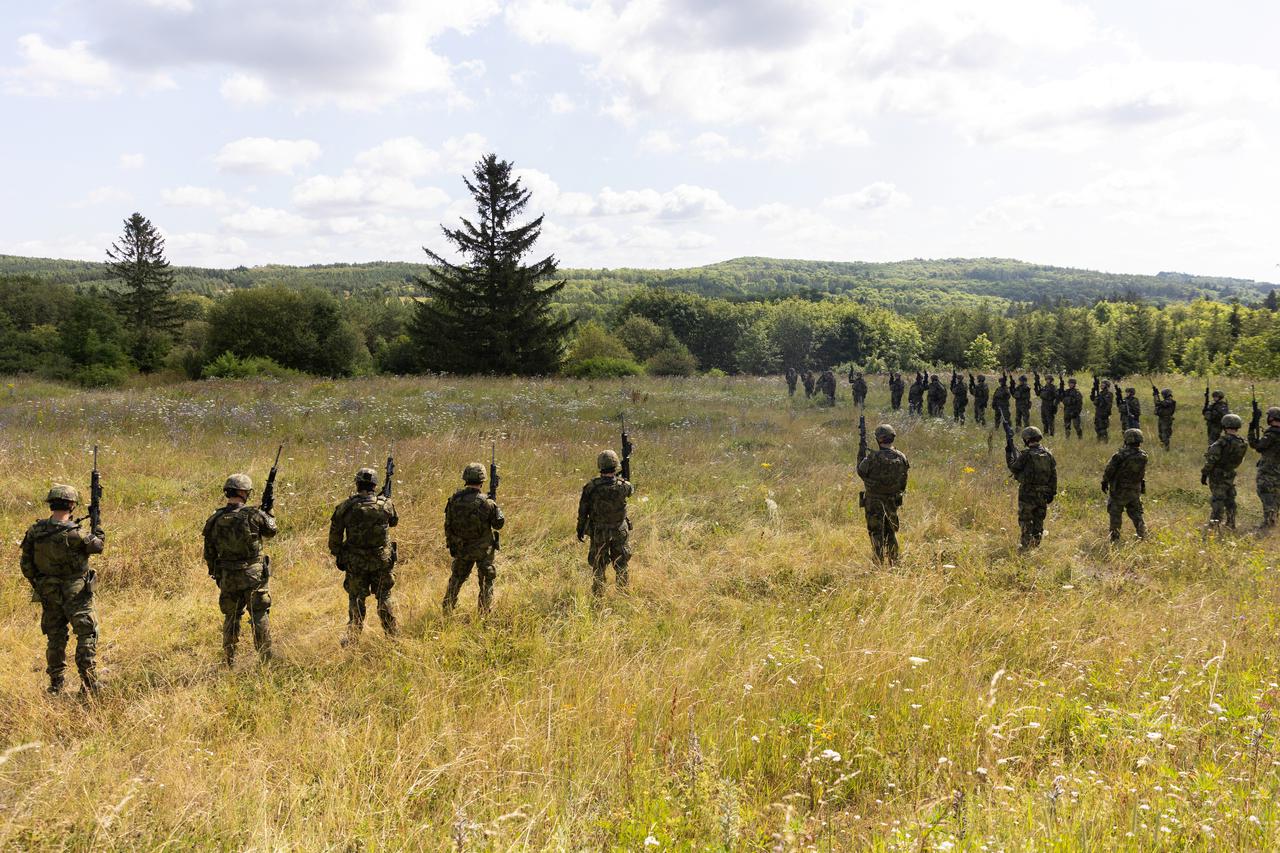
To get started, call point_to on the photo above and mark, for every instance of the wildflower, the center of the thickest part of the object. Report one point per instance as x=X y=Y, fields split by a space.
x=650 y=841
x=1153 y=736
x=830 y=755
x=917 y=661
x=766 y=465
x=968 y=469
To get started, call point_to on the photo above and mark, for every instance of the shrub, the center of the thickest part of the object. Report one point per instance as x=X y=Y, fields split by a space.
x=100 y=376
x=603 y=368
x=230 y=366
x=301 y=330
x=642 y=336
x=674 y=360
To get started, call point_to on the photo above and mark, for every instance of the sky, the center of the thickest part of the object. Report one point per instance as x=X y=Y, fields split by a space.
x=1127 y=135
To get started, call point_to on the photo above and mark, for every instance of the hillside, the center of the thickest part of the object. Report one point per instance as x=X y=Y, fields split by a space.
x=905 y=286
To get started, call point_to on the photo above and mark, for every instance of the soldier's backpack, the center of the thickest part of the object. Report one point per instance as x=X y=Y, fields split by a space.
x=467 y=516
x=607 y=502
x=233 y=536
x=366 y=523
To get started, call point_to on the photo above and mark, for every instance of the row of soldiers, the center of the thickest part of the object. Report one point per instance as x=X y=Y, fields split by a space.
x=1011 y=401
x=884 y=474
x=55 y=556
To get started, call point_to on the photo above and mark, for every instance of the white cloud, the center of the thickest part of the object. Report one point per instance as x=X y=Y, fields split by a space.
x=47 y=70
x=104 y=195
x=190 y=196
x=266 y=221
x=659 y=142
x=1220 y=136
x=201 y=248
x=353 y=191
x=133 y=161
x=714 y=147
x=404 y=157
x=876 y=196
x=561 y=104
x=171 y=5
x=245 y=89
x=261 y=155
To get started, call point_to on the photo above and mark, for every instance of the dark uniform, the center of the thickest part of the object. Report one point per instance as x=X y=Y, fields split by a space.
x=1213 y=414
x=827 y=385
x=1048 y=394
x=233 y=553
x=1165 y=406
x=55 y=561
x=792 y=376
x=1268 y=446
x=360 y=542
x=1103 y=401
x=981 y=396
x=884 y=473
x=1000 y=403
x=807 y=379
x=602 y=515
x=937 y=397
x=915 y=396
x=1022 y=402
x=896 y=387
x=859 y=387
x=1124 y=482
x=1131 y=410
x=1072 y=406
x=959 y=397
x=1219 y=472
x=470 y=518
x=1037 y=474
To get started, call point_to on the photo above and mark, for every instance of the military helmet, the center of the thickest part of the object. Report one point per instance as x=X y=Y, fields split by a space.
x=1232 y=421
x=61 y=492
x=607 y=461
x=238 y=483
x=1218 y=395
x=1022 y=378
x=1133 y=435
x=473 y=473
x=1168 y=392
x=366 y=477
x=1106 y=383
x=1071 y=381
x=884 y=432
x=1273 y=413
x=1031 y=434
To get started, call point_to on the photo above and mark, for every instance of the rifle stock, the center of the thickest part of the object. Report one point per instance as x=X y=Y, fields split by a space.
x=269 y=490
x=494 y=480
x=627 y=447
x=95 y=496
x=391 y=470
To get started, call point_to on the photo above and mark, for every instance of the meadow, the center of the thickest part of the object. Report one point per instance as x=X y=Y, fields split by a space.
x=764 y=686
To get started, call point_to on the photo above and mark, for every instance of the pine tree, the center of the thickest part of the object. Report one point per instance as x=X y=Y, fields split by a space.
x=487 y=314
x=145 y=299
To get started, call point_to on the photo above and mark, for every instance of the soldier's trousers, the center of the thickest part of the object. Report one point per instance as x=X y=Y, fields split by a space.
x=1001 y=416
x=1222 y=504
x=234 y=598
x=957 y=410
x=1069 y=421
x=791 y=389
x=1102 y=428
x=1120 y=504
x=609 y=546
x=1269 y=494
x=486 y=573
x=1023 y=414
x=68 y=602
x=1047 y=418
x=365 y=576
x=980 y=415
x=1031 y=513
x=1165 y=430
x=895 y=401
x=1215 y=432
x=882 y=526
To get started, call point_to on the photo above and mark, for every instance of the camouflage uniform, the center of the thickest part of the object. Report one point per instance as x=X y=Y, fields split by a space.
x=602 y=515
x=859 y=387
x=1268 y=445
x=359 y=541
x=233 y=553
x=807 y=379
x=937 y=397
x=1048 y=395
x=792 y=376
x=827 y=385
x=959 y=398
x=1037 y=474
x=884 y=473
x=470 y=518
x=1219 y=473
x=1021 y=394
x=1165 y=406
x=915 y=397
x=1000 y=403
x=1124 y=481
x=896 y=387
x=55 y=560
x=1131 y=410
x=1213 y=414
x=1072 y=405
x=1103 y=402
x=981 y=395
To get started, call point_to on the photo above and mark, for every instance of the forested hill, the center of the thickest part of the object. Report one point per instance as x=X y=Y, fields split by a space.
x=905 y=286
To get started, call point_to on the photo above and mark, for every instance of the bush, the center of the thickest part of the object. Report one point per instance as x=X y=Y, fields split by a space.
x=593 y=342
x=603 y=368
x=675 y=360
x=230 y=366
x=99 y=376
x=716 y=373
x=301 y=330
x=642 y=336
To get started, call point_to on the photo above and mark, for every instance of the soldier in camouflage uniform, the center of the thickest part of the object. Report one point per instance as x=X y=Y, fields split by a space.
x=896 y=388
x=792 y=375
x=1131 y=409
x=1037 y=474
x=359 y=542
x=1165 y=406
x=1048 y=394
x=1072 y=405
x=1268 y=445
x=602 y=515
x=1213 y=414
x=884 y=473
x=233 y=553
x=915 y=396
x=470 y=519
x=1219 y=472
x=1000 y=403
x=858 y=385
x=1103 y=401
x=1021 y=394
x=981 y=395
x=807 y=379
x=937 y=397
x=827 y=385
x=959 y=397
x=1124 y=483
x=55 y=560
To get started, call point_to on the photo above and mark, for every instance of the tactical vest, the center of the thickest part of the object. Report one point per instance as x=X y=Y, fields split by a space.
x=887 y=472
x=235 y=539
x=1037 y=472
x=366 y=521
x=1233 y=452
x=466 y=517
x=607 y=501
x=59 y=549
x=1130 y=471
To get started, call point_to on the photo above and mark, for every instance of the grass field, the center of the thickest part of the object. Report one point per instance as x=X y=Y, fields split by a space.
x=765 y=685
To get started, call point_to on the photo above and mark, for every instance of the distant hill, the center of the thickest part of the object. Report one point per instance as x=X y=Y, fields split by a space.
x=905 y=286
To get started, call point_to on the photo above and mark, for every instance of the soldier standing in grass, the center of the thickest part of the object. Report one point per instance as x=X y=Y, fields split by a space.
x=1103 y=401
x=1048 y=394
x=359 y=542
x=1268 y=445
x=807 y=379
x=858 y=385
x=915 y=396
x=884 y=473
x=1219 y=472
x=1131 y=410
x=602 y=515
x=792 y=375
x=1124 y=482
x=1072 y=406
x=981 y=395
x=1213 y=415
x=937 y=397
x=959 y=397
x=1021 y=394
x=233 y=552
x=1037 y=474
x=827 y=385
x=1000 y=403
x=896 y=387
x=470 y=519
x=55 y=561
x=1165 y=406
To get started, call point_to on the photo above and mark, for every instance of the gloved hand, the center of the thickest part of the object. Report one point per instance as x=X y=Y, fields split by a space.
x=1204 y=479
x=453 y=551
x=582 y=537
x=1105 y=487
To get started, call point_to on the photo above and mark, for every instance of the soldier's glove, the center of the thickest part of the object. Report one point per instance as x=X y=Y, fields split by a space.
x=453 y=551
x=1204 y=479
x=99 y=533
x=1105 y=487
x=582 y=537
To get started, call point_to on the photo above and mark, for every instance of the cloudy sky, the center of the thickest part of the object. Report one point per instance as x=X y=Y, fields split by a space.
x=1125 y=135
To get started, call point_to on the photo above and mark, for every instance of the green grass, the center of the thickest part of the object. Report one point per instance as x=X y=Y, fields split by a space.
x=765 y=685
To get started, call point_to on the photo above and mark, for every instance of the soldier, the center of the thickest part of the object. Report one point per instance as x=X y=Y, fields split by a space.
x=358 y=540
x=470 y=519
x=1103 y=400
x=1268 y=445
x=1072 y=406
x=1165 y=406
x=896 y=387
x=827 y=385
x=233 y=553
x=859 y=385
x=55 y=561
x=1219 y=472
x=1021 y=394
x=915 y=396
x=884 y=473
x=1131 y=410
x=1124 y=482
x=792 y=376
x=602 y=515
x=1213 y=414
x=1000 y=403
x=959 y=397
x=807 y=379
x=1048 y=394
x=937 y=397
x=981 y=395
x=1037 y=474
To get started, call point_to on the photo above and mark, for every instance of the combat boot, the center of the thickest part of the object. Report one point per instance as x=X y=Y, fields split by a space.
x=56 y=683
x=451 y=595
x=229 y=656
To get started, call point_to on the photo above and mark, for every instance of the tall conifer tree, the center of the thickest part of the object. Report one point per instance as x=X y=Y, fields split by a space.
x=144 y=299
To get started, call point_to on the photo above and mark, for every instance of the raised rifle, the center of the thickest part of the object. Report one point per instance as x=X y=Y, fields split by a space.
x=386 y=483
x=862 y=448
x=95 y=499
x=1010 y=452
x=1093 y=393
x=494 y=480
x=269 y=490
x=1255 y=423
x=627 y=447
x=1206 y=397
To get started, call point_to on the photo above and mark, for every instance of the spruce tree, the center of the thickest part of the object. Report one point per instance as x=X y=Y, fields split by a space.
x=487 y=313
x=144 y=299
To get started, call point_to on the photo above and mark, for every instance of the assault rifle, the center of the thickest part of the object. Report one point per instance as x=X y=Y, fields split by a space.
x=627 y=447
x=494 y=480
x=1010 y=452
x=386 y=483
x=1206 y=397
x=95 y=498
x=1093 y=393
x=1255 y=423
x=269 y=490
x=862 y=449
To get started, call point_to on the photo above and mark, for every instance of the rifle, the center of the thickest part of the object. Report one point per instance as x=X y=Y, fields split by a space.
x=1037 y=382
x=1206 y=398
x=269 y=490
x=95 y=497
x=1010 y=452
x=862 y=449
x=627 y=447
x=494 y=480
x=1093 y=393
x=391 y=470
x=1255 y=423
x=1155 y=393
